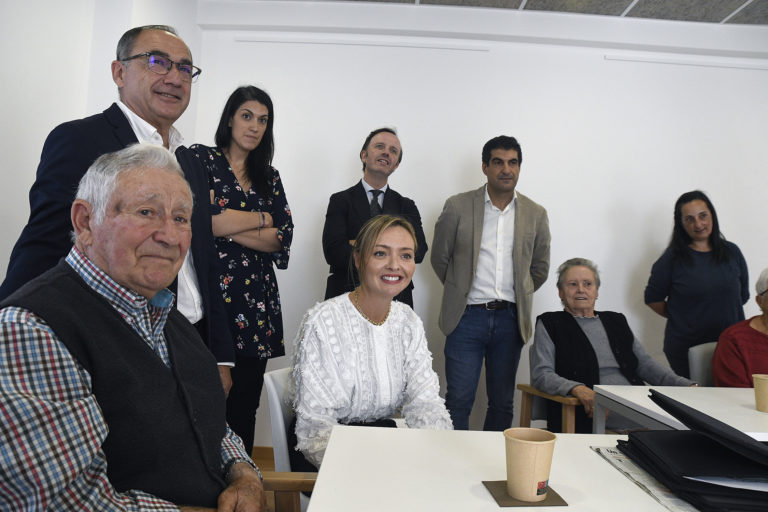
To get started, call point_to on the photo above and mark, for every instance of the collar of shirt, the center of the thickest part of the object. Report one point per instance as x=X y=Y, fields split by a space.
x=368 y=189
x=494 y=276
x=512 y=204
x=145 y=132
x=146 y=317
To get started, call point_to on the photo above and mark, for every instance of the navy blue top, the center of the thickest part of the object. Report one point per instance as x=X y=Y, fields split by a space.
x=703 y=297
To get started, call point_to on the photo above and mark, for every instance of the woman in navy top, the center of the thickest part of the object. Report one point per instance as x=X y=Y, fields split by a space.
x=700 y=282
x=253 y=229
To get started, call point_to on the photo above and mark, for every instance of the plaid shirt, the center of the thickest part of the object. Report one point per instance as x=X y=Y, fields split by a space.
x=51 y=424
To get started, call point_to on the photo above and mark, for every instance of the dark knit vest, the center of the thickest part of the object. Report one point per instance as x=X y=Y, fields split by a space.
x=575 y=358
x=165 y=424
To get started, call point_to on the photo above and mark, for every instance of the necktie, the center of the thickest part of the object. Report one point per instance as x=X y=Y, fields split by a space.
x=375 y=207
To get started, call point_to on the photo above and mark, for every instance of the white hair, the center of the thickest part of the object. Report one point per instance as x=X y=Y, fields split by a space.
x=576 y=262
x=762 y=282
x=100 y=180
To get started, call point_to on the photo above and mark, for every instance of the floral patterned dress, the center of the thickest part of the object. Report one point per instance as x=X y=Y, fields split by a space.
x=248 y=282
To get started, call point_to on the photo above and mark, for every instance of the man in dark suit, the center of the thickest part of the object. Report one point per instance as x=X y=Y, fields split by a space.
x=349 y=209
x=153 y=72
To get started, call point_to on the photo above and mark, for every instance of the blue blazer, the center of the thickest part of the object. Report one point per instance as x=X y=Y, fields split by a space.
x=67 y=153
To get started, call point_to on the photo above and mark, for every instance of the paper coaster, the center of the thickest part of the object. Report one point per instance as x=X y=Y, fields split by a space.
x=498 y=490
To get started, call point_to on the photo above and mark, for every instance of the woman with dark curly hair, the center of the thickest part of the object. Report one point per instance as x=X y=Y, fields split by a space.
x=253 y=229
x=699 y=284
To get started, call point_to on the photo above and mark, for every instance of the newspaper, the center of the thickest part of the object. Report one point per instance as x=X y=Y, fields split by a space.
x=642 y=479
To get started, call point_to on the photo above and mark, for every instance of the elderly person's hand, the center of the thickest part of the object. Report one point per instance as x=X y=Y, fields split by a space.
x=245 y=492
x=586 y=396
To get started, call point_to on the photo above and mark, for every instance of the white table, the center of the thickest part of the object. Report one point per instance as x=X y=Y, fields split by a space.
x=386 y=469
x=734 y=406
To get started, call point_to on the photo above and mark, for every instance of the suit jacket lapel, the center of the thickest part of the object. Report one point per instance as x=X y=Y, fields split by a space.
x=521 y=220
x=478 y=213
x=390 y=205
x=360 y=202
x=120 y=124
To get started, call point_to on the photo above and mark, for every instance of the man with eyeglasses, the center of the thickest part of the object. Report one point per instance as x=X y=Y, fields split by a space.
x=153 y=72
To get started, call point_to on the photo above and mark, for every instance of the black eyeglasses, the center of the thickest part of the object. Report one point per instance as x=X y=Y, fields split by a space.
x=162 y=66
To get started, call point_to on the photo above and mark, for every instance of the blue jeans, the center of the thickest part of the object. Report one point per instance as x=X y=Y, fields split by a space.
x=495 y=336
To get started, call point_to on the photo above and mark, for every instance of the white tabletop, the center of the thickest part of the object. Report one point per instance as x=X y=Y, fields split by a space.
x=734 y=406
x=393 y=469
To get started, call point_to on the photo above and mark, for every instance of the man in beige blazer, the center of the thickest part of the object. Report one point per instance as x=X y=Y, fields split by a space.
x=491 y=251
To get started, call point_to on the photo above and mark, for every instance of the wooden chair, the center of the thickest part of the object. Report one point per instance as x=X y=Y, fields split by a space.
x=287 y=487
x=569 y=404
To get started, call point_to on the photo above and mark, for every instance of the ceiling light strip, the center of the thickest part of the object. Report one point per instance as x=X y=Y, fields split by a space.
x=734 y=13
x=629 y=8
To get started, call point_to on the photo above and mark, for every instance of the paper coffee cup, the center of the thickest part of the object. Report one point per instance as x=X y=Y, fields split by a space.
x=760 y=382
x=529 y=458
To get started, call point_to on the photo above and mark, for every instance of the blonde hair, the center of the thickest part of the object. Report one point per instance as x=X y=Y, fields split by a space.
x=370 y=233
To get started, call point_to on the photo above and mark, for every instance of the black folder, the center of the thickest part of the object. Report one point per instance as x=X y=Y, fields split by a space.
x=710 y=449
x=721 y=432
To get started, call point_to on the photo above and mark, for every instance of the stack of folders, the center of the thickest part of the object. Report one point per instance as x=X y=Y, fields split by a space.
x=712 y=466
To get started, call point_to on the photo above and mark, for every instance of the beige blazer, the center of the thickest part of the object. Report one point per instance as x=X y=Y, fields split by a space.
x=456 y=247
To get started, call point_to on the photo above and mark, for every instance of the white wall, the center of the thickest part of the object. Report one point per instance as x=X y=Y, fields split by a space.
x=43 y=85
x=608 y=144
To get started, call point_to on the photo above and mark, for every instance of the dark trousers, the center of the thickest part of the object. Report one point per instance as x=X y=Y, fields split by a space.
x=678 y=360
x=243 y=399
x=492 y=336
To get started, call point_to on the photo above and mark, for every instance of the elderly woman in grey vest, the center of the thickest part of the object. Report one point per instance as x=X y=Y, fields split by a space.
x=579 y=347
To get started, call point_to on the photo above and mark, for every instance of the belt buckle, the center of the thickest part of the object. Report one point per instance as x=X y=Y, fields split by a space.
x=493 y=305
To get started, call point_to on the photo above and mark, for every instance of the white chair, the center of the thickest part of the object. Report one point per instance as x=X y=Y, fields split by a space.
x=700 y=363
x=280 y=416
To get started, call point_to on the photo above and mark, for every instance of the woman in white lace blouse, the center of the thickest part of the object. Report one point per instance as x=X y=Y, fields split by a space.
x=361 y=356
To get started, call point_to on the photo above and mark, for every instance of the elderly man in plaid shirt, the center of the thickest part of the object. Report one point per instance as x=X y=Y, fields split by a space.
x=109 y=399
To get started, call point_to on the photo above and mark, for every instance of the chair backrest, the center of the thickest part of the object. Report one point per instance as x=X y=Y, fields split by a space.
x=700 y=363
x=280 y=414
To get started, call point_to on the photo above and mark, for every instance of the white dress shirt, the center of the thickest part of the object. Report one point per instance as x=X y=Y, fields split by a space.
x=494 y=278
x=369 y=195
x=189 y=301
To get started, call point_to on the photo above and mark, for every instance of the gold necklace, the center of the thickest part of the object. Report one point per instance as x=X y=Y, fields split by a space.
x=356 y=300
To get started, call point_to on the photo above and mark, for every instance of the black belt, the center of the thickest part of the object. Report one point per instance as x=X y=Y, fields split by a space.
x=494 y=305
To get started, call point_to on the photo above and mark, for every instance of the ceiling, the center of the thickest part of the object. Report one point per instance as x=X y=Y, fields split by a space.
x=744 y=12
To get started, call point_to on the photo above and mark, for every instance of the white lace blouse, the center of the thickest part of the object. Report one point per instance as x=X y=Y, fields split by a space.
x=347 y=369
